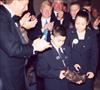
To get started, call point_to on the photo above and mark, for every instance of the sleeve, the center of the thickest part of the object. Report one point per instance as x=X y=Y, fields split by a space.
x=44 y=70
x=94 y=52
x=9 y=43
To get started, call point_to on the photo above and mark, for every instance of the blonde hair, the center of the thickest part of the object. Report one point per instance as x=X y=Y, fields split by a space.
x=44 y=3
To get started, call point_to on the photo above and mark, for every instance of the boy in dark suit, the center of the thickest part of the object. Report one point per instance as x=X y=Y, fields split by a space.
x=52 y=63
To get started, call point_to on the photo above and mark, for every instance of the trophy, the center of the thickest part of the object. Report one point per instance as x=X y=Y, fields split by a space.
x=75 y=76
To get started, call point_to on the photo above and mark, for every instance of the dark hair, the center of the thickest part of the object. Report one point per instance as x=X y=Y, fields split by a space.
x=87 y=3
x=59 y=30
x=75 y=3
x=83 y=13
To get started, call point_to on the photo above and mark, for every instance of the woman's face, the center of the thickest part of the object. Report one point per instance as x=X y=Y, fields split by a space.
x=80 y=23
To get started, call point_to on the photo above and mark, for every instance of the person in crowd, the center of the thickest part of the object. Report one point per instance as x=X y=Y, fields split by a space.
x=65 y=7
x=15 y=47
x=45 y=21
x=83 y=41
x=73 y=10
x=95 y=12
x=94 y=23
x=94 y=19
x=87 y=5
x=53 y=62
x=59 y=15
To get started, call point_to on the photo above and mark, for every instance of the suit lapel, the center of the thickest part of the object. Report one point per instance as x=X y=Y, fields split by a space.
x=14 y=29
x=5 y=11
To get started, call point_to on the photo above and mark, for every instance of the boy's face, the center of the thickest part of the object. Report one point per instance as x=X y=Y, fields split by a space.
x=58 y=40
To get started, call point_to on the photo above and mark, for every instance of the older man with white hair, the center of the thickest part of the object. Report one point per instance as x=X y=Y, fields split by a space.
x=62 y=18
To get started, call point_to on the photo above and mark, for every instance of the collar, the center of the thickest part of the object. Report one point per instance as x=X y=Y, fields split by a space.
x=57 y=48
x=44 y=19
x=55 y=12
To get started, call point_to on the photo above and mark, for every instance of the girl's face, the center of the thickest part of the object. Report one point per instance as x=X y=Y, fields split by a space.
x=80 y=23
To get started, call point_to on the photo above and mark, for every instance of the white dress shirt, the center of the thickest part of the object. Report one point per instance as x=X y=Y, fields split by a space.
x=44 y=21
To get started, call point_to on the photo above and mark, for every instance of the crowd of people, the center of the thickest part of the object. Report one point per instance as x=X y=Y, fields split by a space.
x=36 y=52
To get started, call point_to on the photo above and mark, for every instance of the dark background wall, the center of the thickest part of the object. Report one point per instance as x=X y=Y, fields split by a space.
x=96 y=3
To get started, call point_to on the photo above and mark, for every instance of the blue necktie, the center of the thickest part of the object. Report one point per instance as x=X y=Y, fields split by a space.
x=45 y=33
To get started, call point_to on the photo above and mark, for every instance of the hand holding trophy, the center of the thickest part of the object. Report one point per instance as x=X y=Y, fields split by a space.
x=75 y=77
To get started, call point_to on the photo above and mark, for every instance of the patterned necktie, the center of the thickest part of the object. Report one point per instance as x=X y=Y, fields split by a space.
x=60 y=53
x=62 y=56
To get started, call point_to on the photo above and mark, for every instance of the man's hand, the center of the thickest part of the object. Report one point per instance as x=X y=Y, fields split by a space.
x=49 y=26
x=28 y=21
x=40 y=45
x=96 y=22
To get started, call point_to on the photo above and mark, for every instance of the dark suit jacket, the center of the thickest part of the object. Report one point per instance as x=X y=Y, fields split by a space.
x=49 y=67
x=13 y=53
x=85 y=52
x=66 y=21
x=37 y=30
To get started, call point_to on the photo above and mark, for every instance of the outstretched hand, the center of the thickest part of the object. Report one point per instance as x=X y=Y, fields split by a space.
x=40 y=45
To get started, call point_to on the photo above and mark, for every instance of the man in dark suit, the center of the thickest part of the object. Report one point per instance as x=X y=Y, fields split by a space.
x=58 y=14
x=45 y=21
x=15 y=47
x=53 y=63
